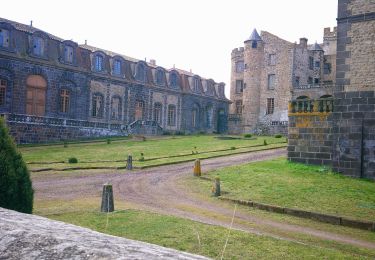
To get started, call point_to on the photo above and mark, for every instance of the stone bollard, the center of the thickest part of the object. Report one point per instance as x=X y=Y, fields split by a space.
x=129 y=163
x=197 y=168
x=107 y=199
x=216 y=187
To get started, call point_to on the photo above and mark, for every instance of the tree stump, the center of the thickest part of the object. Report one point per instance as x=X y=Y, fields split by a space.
x=197 y=168
x=129 y=163
x=107 y=199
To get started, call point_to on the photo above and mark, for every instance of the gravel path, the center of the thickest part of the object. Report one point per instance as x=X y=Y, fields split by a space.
x=160 y=190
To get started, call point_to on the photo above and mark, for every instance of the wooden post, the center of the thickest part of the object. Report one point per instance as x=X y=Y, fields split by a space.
x=197 y=168
x=129 y=163
x=107 y=199
x=216 y=191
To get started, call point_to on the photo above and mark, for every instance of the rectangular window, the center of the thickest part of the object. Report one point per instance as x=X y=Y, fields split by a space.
x=272 y=59
x=254 y=44
x=196 y=85
x=311 y=63
x=68 y=54
x=64 y=101
x=316 y=81
x=3 y=85
x=194 y=118
x=38 y=46
x=97 y=102
x=297 y=82
x=271 y=81
x=239 y=107
x=98 y=63
x=317 y=64
x=117 y=67
x=239 y=66
x=270 y=106
x=239 y=86
x=4 y=38
x=171 y=115
x=310 y=80
x=327 y=68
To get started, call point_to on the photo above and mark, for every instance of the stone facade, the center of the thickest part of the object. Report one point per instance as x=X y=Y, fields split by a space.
x=269 y=71
x=349 y=122
x=44 y=78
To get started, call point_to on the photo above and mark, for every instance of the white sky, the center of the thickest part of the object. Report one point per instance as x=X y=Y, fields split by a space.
x=192 y=34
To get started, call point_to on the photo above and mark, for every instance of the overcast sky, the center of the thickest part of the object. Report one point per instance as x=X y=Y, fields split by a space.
x=190 y=34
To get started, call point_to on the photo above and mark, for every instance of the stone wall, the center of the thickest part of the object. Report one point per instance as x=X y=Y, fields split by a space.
x=25 y=236
x=310 y=138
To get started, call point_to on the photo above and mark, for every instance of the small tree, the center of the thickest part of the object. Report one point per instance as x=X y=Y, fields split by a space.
x=16 y=190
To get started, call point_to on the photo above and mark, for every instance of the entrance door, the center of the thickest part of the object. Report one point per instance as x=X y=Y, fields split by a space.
x=221 y=122
x=35 y=95
x=139 y=110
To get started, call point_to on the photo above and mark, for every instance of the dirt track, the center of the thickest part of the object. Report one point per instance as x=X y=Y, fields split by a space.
x=160 y=190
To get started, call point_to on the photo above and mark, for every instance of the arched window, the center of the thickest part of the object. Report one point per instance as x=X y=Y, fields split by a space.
x=209 y=116
x=38 y=46
x=173 y=80
x=97 y=105
x=158 y=113
x=4 y=38
x=196 y=85
x=171 y=115
x=3 y=88
x=98 y=62
x=141 y=73
x=36 y=95
x=64 y=101
x=116 y=108
x=159 y=77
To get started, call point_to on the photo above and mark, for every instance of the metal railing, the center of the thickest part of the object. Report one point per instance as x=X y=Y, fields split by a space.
x=310 y=86
x=309 y=105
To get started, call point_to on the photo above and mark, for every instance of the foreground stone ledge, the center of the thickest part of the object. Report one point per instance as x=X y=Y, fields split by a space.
x=24 y=236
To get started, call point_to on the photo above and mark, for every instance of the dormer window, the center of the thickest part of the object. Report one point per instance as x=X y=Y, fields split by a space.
x=98 y=63
x=140 y=75
x=173 y=80
x=38 y=46
x=4 y=38
x=160 y=77
x=196 y=85
x=68 y=54
x=117 y=67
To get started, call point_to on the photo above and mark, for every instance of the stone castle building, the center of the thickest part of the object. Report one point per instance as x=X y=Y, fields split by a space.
x=53 y=89
x=268 y=72
x=340 y=132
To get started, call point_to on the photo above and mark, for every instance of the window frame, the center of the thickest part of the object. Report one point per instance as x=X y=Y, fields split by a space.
x=240 y=66
x=2 y=45
x=272 y=59
x=238 y=107
x=65 y=99
x=98 y=62
x=311 y=62
x=239 y=87
x=158 y=110
x=98 y=113
x=270 y=106
x=171 y=115
x=271 y=85
x=3 y=91
x=68 y=58
x=117 y=67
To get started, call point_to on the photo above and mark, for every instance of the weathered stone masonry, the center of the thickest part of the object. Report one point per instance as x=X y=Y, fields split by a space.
x=52 y=89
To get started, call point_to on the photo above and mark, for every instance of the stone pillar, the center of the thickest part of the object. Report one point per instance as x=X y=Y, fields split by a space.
x=197 y=168
x=129 y=163
x=216 y=187
x=107 y=199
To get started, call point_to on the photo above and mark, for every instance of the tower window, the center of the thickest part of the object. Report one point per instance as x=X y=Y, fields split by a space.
x=239 y=86
x=297 y=82
x=270 y=106
x=272 y=59
x=239 y=66
x=311 y=63
x=271 y=81
x=239 y=107
x=327 y=68
x=317 y=64
x=316 y=81
x=254 y=44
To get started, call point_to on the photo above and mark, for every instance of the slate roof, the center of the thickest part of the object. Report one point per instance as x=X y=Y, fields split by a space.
x=254 y=36
x=28 y=28
x=316 y=47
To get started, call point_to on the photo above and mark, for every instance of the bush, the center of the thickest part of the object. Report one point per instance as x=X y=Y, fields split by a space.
x=180 y=133
x=247 y=135
x=73 y=160
x=264 y=142
x=65 y=144
x=16 y=190
x=108 y=141
x=142 y=158
x=278 y=136
x=166 y=133
x=233 y=148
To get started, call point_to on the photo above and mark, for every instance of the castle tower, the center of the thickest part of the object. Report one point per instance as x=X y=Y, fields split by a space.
x=253 y=58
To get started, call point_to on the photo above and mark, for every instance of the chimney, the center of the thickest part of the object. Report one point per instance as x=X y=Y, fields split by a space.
x=153 y=62
x=31 y=23
x=303 y=42
x=85 y=42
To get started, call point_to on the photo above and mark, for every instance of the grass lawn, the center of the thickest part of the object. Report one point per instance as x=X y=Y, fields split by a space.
x=93 y=154
x=293 y=185
x=196 y=237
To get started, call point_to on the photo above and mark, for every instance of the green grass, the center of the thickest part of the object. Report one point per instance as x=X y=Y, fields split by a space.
x=293 y=185
x=92 y=153
x=183 y=235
